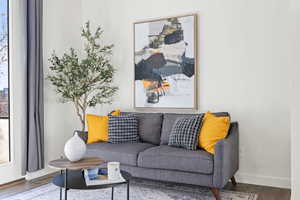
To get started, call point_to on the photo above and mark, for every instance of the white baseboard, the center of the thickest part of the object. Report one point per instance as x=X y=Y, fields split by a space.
x=272 y=181
x=40 y=173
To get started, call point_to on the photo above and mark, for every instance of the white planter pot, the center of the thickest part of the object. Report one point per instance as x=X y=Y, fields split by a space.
x=75 y=148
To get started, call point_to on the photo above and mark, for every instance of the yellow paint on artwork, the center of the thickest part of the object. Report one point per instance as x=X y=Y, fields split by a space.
x=155 y=51
x=147 y=84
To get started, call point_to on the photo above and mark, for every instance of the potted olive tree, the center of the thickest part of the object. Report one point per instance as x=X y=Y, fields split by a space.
x=84 y=80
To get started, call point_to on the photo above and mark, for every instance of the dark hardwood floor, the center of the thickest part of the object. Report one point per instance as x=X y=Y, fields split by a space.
x=264 y=193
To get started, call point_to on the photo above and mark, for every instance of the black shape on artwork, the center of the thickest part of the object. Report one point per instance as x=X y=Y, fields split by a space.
x=156 y=60
x=168 y=69
x=153 y=97
x=156 y=67
x=174 y=37
x=144 y=69
x=188 y=66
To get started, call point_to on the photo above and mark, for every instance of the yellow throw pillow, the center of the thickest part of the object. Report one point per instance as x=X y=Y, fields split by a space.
x=213 y=129
x=116 y=112
x=97 y=128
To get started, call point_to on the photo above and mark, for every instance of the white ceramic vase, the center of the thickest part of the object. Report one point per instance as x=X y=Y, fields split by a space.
x=75 y=148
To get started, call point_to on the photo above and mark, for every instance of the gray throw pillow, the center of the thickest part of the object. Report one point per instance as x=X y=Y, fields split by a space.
x=185 y=132
x=123 y=129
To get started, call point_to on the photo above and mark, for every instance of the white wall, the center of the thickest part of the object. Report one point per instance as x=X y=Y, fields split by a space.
x=294 y=59
x=242 y=69
x=295 y=128
x=62 y=25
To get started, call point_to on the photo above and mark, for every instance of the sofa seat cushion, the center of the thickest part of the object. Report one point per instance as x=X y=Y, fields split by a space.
x=125 y=153
x=173 y=158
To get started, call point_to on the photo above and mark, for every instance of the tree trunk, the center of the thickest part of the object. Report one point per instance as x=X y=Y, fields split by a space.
x=83 y=120
x=80 y=110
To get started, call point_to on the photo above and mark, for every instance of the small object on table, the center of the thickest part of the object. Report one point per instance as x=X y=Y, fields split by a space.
x=92 y=173
x=73 y=177
x=113 y=169
x=102 y=178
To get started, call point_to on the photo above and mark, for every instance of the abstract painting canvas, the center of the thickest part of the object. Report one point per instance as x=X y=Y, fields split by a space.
x=165 y=63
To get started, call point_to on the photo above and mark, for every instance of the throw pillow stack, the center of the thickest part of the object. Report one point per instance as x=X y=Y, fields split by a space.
x=113 y=128
x=98 y=127
x=202 y=131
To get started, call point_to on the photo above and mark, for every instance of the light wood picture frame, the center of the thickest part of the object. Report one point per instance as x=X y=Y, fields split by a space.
x=165 y=62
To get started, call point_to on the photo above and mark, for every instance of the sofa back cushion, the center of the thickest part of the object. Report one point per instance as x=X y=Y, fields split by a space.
x=149 y=126
x=170 y=118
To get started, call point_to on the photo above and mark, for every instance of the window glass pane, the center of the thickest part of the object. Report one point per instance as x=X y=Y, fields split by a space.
x=4 y=83
x=4 y=141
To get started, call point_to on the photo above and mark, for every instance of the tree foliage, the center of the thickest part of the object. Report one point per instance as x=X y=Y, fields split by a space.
x=88 y=81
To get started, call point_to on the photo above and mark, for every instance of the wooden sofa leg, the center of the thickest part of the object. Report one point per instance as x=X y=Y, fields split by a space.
x=216 y=193
x=233 y=181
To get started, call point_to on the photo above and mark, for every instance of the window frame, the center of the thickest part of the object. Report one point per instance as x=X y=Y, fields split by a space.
x=8 y=84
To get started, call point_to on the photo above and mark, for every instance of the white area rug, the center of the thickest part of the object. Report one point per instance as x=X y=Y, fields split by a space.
x=139 y=190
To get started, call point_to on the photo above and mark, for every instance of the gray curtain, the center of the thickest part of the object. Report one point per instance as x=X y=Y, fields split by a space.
x=35 y=100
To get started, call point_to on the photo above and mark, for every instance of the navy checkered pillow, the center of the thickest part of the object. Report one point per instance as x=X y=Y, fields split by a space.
x=185 y=132
x=123 y=129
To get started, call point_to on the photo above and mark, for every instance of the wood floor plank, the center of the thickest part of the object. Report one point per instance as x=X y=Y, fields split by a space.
x=264 y=192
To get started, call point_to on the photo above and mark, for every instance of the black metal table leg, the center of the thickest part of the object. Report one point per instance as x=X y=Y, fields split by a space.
x=128 y=190
x=66 y=184
x=74 y=179
x=60 y=189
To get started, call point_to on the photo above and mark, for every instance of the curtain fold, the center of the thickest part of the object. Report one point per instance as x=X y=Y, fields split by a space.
x=35 y=97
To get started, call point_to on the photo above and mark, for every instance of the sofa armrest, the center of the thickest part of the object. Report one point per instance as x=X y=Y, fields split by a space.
x=83 y=135
x=226 y=158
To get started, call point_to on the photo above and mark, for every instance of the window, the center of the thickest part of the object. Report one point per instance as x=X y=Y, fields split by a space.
x=4 y=84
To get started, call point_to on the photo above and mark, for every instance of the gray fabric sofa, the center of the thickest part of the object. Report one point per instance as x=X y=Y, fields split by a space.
x=152 y=158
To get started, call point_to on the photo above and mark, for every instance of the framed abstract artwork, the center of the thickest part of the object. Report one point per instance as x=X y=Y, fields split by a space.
x=165 y=63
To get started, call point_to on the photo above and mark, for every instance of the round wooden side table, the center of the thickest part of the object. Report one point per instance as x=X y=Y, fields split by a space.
x=72 y=177
x=85 y=163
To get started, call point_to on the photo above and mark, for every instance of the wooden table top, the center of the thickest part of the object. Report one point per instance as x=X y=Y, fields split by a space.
x=85 y=163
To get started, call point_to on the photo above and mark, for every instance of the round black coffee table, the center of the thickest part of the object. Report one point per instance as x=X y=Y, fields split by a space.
x=74 y=179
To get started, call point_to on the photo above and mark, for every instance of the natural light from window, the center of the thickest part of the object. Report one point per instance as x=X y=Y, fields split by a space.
x=4 y=83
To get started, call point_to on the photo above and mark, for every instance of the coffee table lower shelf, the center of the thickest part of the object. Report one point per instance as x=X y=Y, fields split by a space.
x=69 y=179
